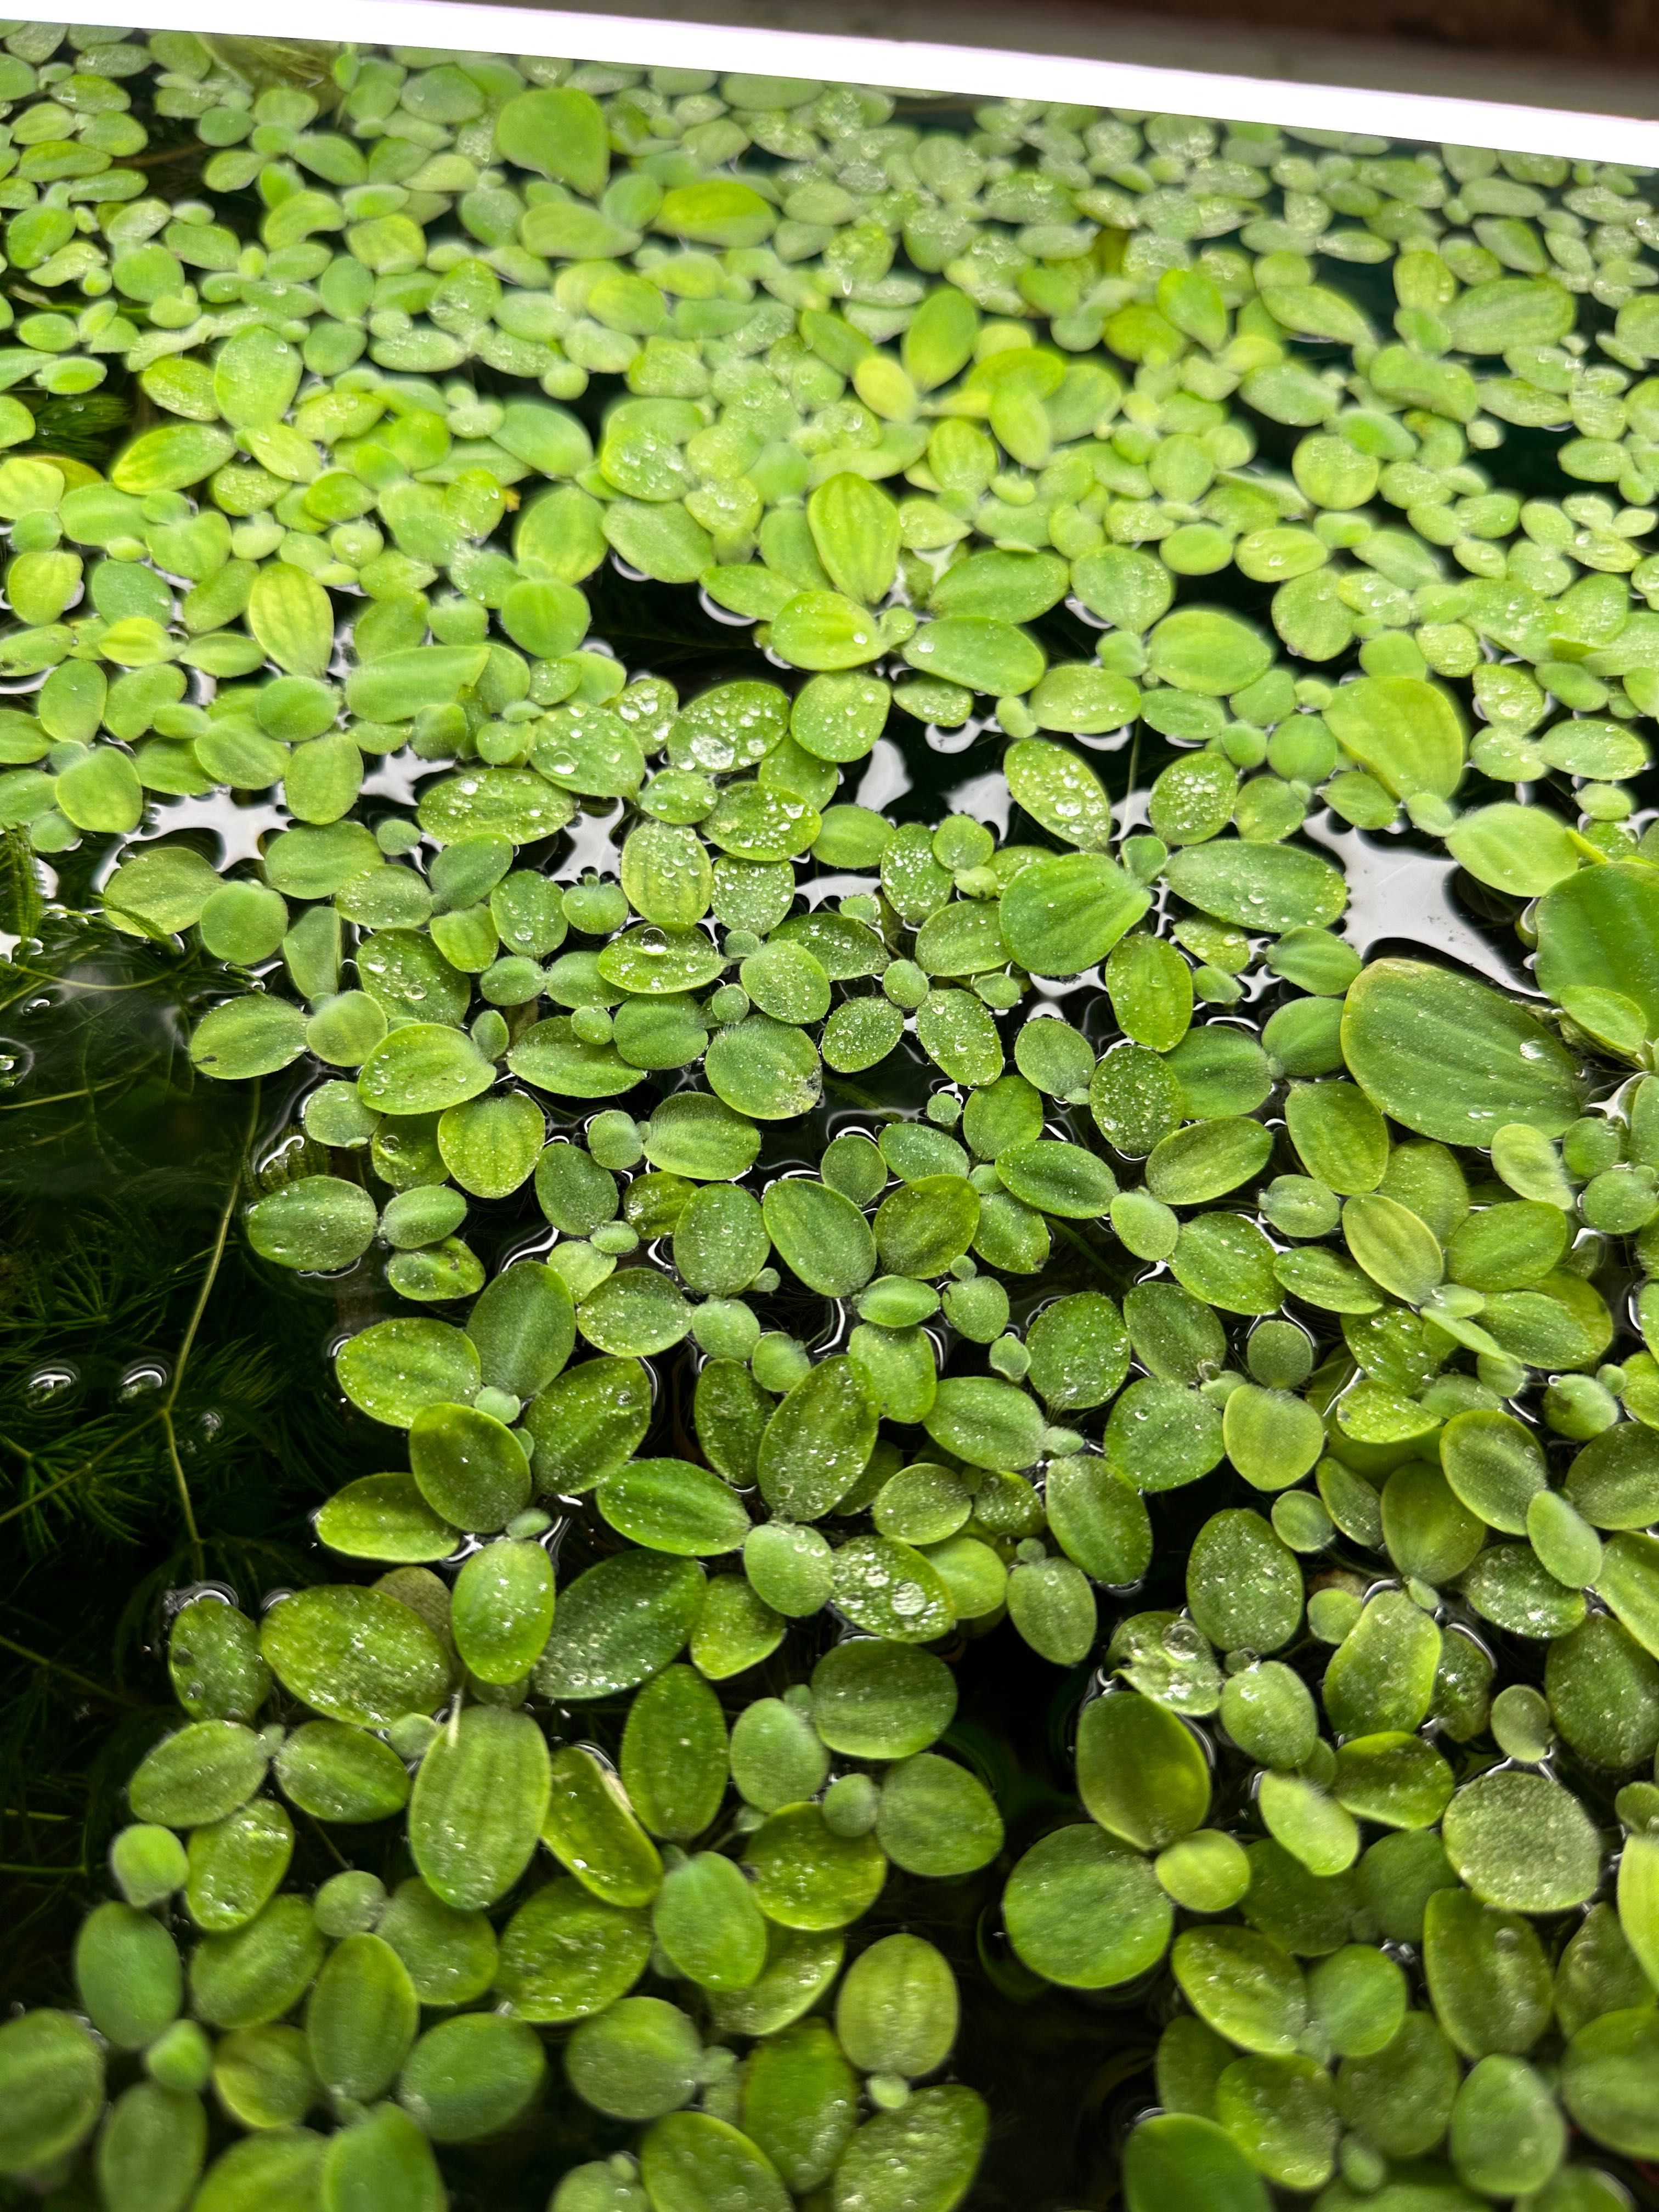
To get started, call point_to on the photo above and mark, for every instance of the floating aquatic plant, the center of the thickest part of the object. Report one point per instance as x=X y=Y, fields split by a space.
x=778 y=1245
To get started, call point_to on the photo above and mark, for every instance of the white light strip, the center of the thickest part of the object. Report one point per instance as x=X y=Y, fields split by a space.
x=918 y=65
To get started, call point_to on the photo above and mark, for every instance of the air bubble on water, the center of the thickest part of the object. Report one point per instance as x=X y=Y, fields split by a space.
x=142 y=1375
x=50 y=1383
x=192 y=1593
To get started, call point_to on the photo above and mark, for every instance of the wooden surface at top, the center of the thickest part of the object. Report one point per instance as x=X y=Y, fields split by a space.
x=1599 y=56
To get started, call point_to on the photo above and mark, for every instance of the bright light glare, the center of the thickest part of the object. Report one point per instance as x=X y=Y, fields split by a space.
x=918 y=66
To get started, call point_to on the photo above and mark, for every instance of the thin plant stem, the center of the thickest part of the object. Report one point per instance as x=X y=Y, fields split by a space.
x=181 y=1483
x=328 y=1843
x=226 y=1214
x=57 y=1667
x=33 y=976
x=1082 y=1245
x=28 y=1504
x=164 y=1412
x=1135 y=762
x=215 y=1258
x=59 y=1097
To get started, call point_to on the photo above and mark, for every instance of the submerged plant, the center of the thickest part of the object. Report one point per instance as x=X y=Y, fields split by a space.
x=776 y=1247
